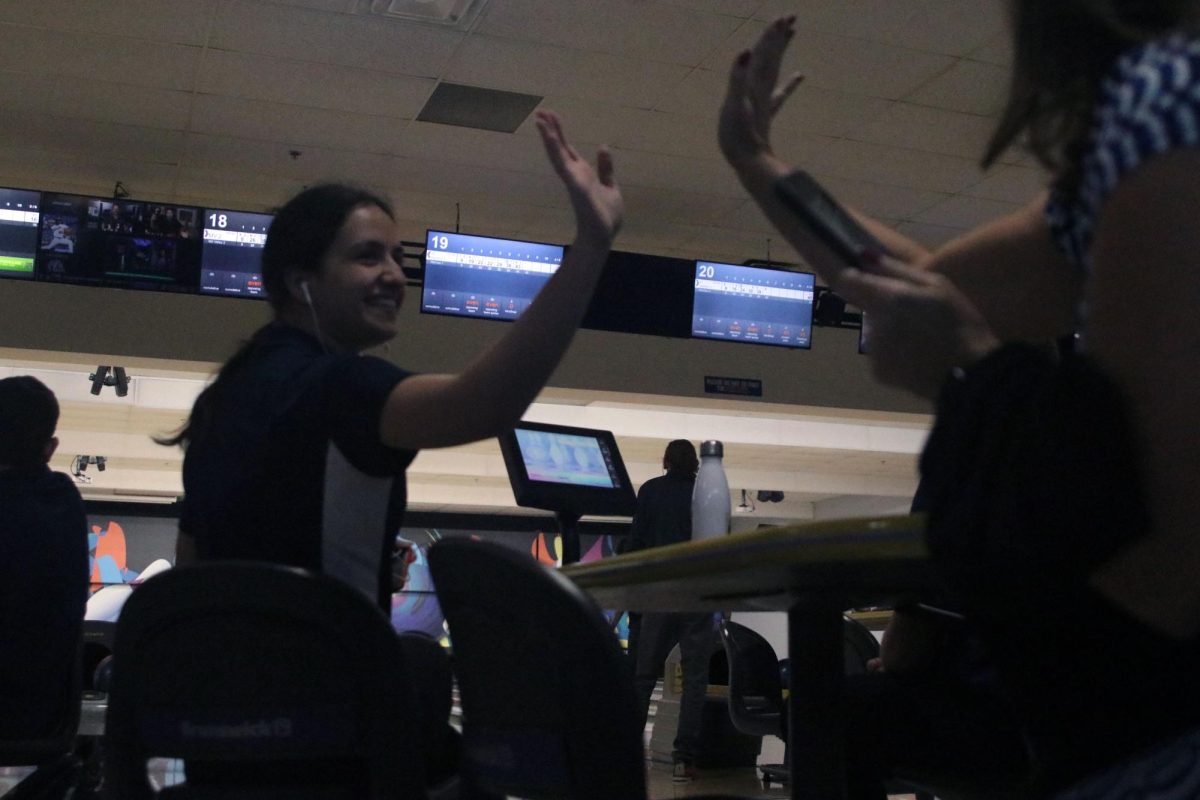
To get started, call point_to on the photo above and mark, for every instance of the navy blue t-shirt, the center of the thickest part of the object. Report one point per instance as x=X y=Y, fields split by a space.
x=289 y=467
x=664 y=511
x=43 y=591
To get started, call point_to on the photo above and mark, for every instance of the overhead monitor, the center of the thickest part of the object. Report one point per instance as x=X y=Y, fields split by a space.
x=567 y=470
x=107 y=242
x=752 y=304
x=231 y=263
x=18 y=232
x=484 y=277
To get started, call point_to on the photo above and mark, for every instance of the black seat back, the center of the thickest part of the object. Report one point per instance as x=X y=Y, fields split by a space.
x=755 y=689
x=549 y=709
x=49 y=745
x=98 y=638
x=860 y=646
x=293 y=676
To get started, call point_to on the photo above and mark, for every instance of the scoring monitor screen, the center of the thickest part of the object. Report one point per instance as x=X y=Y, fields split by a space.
x=567 y=469
x=752 y=304
x=106 y=242
x=232 y=260
x=565 y=458
x=479 y=276
x=18 y=232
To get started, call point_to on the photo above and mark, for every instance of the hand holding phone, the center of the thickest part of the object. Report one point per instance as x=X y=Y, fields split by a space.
x=827 y=220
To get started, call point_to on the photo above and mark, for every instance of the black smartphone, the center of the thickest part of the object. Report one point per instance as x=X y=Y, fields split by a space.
x=800 y=192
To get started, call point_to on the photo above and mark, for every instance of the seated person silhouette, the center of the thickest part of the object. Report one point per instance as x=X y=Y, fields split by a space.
x=44 y=572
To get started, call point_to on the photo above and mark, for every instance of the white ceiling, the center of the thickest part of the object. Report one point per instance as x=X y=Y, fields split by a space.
x=202 y=101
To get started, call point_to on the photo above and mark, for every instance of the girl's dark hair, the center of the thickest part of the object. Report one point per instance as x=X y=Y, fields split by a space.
x=299 y=237
x=681 y=457
x=1062 y=50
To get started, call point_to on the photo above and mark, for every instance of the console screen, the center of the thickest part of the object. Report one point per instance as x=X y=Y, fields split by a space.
x=565 y=458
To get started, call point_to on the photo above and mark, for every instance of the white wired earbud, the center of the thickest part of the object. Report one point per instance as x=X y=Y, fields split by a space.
x=312 y=310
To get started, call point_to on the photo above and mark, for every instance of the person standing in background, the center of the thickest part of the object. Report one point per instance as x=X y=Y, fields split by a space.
x=664 y=516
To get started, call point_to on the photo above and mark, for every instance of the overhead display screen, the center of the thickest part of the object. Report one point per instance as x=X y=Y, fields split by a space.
x=18 y=232
x=480 y=276
x=106 y=242
x=232 y=259
x=752 y=304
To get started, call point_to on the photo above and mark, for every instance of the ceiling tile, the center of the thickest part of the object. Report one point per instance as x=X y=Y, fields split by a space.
x=1010 y=183
x=674 y=206
x=895 y=166
x=743 y=9
x=98 y=101
x=859 y=19
x=497 y=63
x=674 y=172
x=997 y=50
x=344 y=6
x=93 y=57
x=85 y=174
x=313 y=164
x=368 y=42
x=89 y=138
x=245 y=190
x=175 y=21
x=305 y=83
x=930 y=129
x=620 y=27
x=954 y=27
x=473 y=147
x=971 y=87
x=298 y=126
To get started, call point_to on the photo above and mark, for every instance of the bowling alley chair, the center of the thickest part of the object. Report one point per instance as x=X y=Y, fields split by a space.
x=756 y=703
x=549 y=707
x=269 y=682
x=52 y=753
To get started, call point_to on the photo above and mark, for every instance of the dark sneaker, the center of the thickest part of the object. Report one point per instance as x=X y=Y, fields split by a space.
x=683 y=772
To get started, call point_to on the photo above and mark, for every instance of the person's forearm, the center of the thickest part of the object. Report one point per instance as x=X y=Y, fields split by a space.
x=758 y=175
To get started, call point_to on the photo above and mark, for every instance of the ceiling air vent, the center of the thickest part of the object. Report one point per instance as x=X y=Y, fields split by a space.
x=451 y=13
x=473 y=107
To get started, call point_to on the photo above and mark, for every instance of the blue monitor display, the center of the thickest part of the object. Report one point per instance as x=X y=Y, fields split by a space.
x=232 y=260
x=107 y=242
x=567 y=469
x=752 y=304
x=478 y=276
x=573 y=459
x=18 y=232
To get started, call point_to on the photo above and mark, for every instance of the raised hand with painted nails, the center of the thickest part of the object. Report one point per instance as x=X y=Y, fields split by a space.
x=754 y=96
